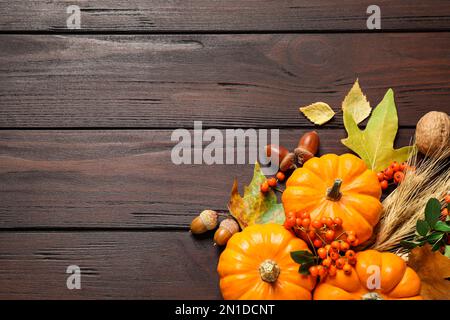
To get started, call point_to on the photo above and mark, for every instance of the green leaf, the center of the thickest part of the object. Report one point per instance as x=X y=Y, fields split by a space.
x=438 y=243
x=447 y=251
x=432 y=238
x=355 y=103
x=422 y=227
x=432 y=211
x=302 y=256
x=409 y=244
x=442 y=226
x=255 y=207
x=375 y=144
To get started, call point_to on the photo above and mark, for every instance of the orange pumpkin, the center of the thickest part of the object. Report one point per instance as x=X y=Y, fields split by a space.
x=396 y=280
x=257 y=264
x=336 y=186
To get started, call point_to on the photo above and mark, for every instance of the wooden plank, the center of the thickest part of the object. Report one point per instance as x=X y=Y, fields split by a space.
x=116 y=179
x=223 y=80
x=230 y=15
x=132 y=265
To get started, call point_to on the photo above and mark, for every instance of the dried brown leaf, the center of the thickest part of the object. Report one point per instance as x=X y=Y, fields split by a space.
x=433 y=269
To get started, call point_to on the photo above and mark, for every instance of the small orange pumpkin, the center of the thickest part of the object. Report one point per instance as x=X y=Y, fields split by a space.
x=396 y=280
x=257 y=264
x=336 y=186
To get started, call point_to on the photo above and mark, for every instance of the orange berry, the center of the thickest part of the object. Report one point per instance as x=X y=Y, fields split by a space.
x=335 y=245
x=352 y=261
x=317 y=243
x=280 y=176
x=329 y=235
x=317 y=224
x=264 y=187
x=298 y=222
x=344 y=246
x=326 y=262
x=350 y=254
x=447 y=198
x=388 y=173
x=444 y=212
x=347 y=268
x=314 y=271
x=395 y=166
x=355 y=243
x=350 y=239
x=322 y=253
x=306 y=222
x=332 y=271
x=311 y=234
x=340 y=263
x=380 y=176
x=327 y=247
x=322 y=271
x=384 y=184
x=305 y=215
x=403 y=166
x=290 y=214
x=323 y=220
x=337 y=221
x=289 y=223
x=399 y=176
x=329 y=222
x=334 y=255
x=272 y=182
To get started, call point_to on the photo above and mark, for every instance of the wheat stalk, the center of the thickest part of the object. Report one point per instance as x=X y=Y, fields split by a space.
x=405 y=205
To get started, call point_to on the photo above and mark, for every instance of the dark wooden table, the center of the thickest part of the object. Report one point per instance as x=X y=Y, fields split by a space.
x=86 y=117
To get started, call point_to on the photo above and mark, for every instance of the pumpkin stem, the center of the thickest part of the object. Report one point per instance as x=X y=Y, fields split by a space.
x=334 y=193
x=269 y=271
x=372 y=296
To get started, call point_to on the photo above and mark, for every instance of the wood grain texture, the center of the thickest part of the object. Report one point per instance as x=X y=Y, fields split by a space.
x=229 y=15
x=116 y=179
x=131 y=265
x=223 y=80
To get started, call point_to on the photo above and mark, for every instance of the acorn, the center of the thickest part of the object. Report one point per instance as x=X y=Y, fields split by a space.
x=307 y=147
x=207 y=220
x=227 y=228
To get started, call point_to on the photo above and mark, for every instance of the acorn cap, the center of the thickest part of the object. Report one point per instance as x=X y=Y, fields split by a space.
x=209 y=219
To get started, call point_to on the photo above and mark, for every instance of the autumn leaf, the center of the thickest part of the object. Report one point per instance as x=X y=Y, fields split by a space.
x=318 y=112
x=356 y=104
x=433 y=269
x=255 y=207
x=375 y=144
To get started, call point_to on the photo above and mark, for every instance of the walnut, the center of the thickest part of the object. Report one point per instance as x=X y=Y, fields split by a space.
x=433 y=133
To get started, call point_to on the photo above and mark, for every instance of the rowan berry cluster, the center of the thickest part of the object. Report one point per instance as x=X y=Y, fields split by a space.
x=394 y=173
x=331 y=244
x=272 y=182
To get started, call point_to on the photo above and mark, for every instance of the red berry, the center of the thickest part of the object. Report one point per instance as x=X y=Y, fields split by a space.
x=344 y=246
x=380 y=176
x=264 y=187
x=334 y=255
x=351 y=239
x=322 y=253
x=322 y=271
x=304 y=215
x=347 y=268
x=350 y=254
x=280 y=176
x=399 y=176
x=326 y=262
x=384 y=184
x=272 y=182
x=289 y=223
x=311 y=234
x=317 y=243
x=298 y=222
x=290 y=214
x=395 y=166
x=447 y=198
x=317 y=224
x=323 y=220
x=403 y=166
x=337 y=221
x=336 y=245
x=340 y=263
x=329 y=235
x=329 y=222
x=306 y=222
x=332 y=271
x=314 y=271
x=388 y=173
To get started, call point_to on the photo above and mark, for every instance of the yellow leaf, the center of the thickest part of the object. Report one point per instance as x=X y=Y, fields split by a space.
x=433 y=268
x=356 y=104
x=318 y=112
